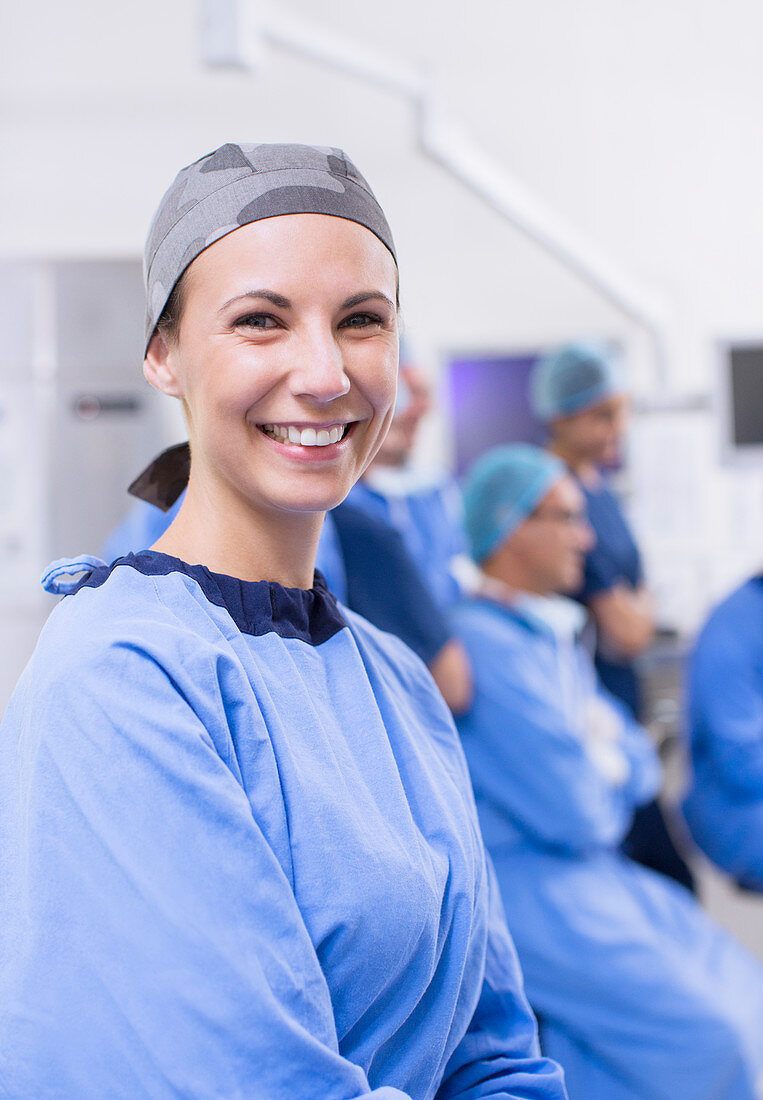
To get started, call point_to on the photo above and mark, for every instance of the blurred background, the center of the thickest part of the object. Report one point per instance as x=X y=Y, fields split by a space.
x=638 y=127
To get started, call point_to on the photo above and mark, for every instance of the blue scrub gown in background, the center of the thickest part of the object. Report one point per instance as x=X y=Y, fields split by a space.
x=383 y=584
x=239 y=857
x=638 y=994
x=429 y=520
x=143 y=525
x=615 y=559
x=724 y=804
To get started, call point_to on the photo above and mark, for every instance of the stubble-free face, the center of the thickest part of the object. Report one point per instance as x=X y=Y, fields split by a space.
x=285 y=361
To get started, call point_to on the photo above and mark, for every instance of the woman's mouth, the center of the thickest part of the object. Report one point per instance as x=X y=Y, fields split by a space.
x=298 y=436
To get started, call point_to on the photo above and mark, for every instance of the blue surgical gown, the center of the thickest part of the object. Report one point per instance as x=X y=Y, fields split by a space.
x=638 y=994
x=429 y=519
x=363 y=560
x=140 y=528
x=724 y=804
x=239 y=858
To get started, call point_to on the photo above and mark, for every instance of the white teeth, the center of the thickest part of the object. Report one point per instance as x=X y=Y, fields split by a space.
x=305 y=437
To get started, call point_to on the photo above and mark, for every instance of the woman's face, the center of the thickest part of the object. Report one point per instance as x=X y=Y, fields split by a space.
x=594 y=434
x=285 y=360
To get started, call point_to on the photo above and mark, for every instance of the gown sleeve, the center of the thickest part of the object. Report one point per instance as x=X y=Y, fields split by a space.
x=644 y=777
x=499 y=1056
x=726 y=704
x=157 y=948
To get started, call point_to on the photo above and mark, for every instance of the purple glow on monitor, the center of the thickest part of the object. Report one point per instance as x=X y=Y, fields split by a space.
x=489 y=404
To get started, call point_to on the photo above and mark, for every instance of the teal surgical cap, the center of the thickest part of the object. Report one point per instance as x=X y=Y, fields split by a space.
x=501 y=490
x=573 y=378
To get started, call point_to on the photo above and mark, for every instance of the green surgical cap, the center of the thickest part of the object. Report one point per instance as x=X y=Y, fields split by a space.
x=573 y=378
x=502 y=488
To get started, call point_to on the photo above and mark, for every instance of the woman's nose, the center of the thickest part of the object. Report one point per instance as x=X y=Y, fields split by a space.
x=319 y=370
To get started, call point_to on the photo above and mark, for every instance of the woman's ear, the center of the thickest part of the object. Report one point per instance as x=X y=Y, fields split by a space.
x=159 y=365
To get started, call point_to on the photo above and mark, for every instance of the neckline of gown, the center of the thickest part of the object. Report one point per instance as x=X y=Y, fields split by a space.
x=311 y=615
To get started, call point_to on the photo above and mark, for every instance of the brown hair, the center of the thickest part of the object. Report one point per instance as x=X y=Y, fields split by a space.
x=169 y=321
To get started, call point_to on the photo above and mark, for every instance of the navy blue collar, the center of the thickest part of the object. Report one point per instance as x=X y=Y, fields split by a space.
x=256 y=607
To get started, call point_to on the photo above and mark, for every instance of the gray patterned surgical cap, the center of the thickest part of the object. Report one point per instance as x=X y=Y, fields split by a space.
x=238 y=184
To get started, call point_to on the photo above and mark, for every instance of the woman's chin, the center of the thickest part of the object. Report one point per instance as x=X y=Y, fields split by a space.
x=309 y=505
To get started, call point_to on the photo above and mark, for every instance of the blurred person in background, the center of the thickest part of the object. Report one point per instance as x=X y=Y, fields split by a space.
x=239 y=854
x=421 y=501
x=423 y=504
x=724 y=803
x=578 y=391
x=378 y=578
x=637 y=992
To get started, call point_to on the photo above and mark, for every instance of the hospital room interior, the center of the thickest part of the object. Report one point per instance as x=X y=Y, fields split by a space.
x=575 y=196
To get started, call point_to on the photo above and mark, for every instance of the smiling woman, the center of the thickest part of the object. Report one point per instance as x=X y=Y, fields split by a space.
x=267 y=376
x=239 y=849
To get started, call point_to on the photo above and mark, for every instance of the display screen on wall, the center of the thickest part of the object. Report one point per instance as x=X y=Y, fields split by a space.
x=746 y=385
x=489 y=403
x=739 y=400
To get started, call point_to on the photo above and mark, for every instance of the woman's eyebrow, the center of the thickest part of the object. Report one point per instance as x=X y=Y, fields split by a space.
x=280 y=302
x=366 y=296
x=269 y=296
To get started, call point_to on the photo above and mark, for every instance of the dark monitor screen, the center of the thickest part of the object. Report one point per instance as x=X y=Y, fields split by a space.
x=746 y=385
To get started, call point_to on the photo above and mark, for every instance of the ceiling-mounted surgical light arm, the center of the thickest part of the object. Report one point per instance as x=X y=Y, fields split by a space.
x=236 y=32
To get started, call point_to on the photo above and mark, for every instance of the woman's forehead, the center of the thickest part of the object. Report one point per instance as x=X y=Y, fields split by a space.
x=298 y=249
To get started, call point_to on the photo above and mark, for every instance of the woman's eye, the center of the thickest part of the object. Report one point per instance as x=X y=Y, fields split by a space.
x=256 y=320
x=362 y=320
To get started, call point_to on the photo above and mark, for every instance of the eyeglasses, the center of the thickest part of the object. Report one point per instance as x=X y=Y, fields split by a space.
x=562 y=515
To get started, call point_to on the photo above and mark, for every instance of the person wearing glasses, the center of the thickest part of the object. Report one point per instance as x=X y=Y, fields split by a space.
x=638 y=994
x=578 y=391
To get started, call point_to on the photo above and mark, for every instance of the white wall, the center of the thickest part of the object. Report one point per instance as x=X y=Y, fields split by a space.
x=640 y=123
